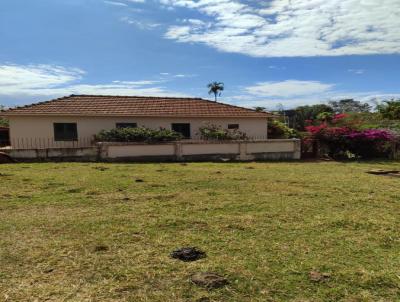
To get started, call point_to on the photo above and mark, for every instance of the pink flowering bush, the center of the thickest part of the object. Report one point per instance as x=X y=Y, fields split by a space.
x=339 y=141
x=334 y=139
x=371 y=143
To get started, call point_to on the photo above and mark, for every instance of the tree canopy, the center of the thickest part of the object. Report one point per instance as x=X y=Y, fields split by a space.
x=349 y=106
x=390 y=109
x=215 y=88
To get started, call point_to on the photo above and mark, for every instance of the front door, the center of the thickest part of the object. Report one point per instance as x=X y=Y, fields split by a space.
x=182 y=128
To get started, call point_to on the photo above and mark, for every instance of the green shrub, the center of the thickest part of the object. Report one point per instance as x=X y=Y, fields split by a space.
x=139 y=134
x=219 y=133
x=3 y=122
x=390 y=109
x=277 y=129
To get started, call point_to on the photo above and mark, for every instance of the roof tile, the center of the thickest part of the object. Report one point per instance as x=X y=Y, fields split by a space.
x=100 y=105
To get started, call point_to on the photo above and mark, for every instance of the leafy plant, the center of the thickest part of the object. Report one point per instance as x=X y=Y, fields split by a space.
x=349 y=105
x=139 y=134
x=325 y=116
x=371 y=143
x=210 y=131
x=277 y=129
x=300 y=116
x=341 y=141
x=3 y=121
x=390 y=109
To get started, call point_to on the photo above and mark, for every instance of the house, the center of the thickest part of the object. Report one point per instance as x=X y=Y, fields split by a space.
x=77 y=117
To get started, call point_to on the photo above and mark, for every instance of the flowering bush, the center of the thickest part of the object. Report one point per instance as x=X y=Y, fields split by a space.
x=139 y=134
x=370 y=142
x=219 y=133
x=334 y=139
x=339 y=141
x=340 y=116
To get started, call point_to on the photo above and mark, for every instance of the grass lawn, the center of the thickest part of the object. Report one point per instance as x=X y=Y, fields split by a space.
x=91 y=232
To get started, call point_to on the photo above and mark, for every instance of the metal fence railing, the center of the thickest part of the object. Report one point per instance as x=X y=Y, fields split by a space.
x=82 y=142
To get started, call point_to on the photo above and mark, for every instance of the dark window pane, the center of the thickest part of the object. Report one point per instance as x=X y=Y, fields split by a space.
x=65 y=132
x=182 y=128
x=126 y=125
x=233 y=126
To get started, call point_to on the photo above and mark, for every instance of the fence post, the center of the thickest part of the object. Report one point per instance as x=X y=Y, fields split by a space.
x=393 y=154
x=297 y=149
x=243 y=151
x=178 y=151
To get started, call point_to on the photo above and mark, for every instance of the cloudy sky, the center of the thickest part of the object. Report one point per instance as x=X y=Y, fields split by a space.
x=268 y=52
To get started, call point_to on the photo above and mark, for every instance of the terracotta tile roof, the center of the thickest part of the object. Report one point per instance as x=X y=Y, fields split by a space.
x=100 y=105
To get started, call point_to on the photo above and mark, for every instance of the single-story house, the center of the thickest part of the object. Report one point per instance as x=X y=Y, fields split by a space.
x=78 y=117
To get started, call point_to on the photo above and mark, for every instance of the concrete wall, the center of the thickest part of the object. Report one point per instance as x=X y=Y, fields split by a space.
x=203 y=150
x=173 y=151
x=79 y=154
x=23 y=128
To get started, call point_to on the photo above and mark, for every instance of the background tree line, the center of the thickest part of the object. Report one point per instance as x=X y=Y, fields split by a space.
x=384 y=115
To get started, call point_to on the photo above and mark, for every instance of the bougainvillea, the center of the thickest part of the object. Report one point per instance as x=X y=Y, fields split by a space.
x=370 y=142
x=339 y=116
x=339 y=141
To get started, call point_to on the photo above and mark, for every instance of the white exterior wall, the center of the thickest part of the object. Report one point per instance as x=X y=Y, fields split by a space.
x=23 y=127
x=238 y=150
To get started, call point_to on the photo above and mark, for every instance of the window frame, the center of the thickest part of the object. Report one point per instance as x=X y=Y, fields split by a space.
x=233 y=126
x=181 y=124
x=123 y=125
x=64 y=136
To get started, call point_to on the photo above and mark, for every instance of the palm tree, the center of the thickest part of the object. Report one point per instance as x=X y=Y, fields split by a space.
x=215 y=88
x=259 y=109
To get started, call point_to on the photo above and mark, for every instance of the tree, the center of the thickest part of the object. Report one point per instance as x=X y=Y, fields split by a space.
x=259 y=109
x=325 y=116
x=390 y=109
x=302 y=114
x=349 y=106
x=3 y=122
x=215 y=88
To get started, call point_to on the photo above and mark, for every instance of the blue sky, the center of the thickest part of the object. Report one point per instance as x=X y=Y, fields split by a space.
x=288 y=52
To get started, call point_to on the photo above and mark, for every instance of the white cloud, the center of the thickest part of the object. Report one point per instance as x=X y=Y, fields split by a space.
x=140 y=24
x=32 y=77
x=115 y=3
x=293 y=93
x=292 y=27
x=48 y=80
x=288 y=88
x=356 y=71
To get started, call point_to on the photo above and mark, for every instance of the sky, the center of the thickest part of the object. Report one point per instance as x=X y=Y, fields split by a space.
x=269 y=53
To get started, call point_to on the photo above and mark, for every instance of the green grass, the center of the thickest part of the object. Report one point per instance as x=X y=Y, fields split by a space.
x=78 y=232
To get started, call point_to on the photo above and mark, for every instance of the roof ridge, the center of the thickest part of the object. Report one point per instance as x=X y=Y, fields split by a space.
x=134 y=96
x=249 y=109
x=38 y=103
x=83 y=104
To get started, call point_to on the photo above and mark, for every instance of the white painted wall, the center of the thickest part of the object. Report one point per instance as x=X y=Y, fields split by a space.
x=242 y=150
x=22 y=127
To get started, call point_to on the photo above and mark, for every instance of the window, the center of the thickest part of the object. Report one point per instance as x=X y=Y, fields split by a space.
x=65 y=132
x=233 y=126
x=126 y=125
x=182 y=128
